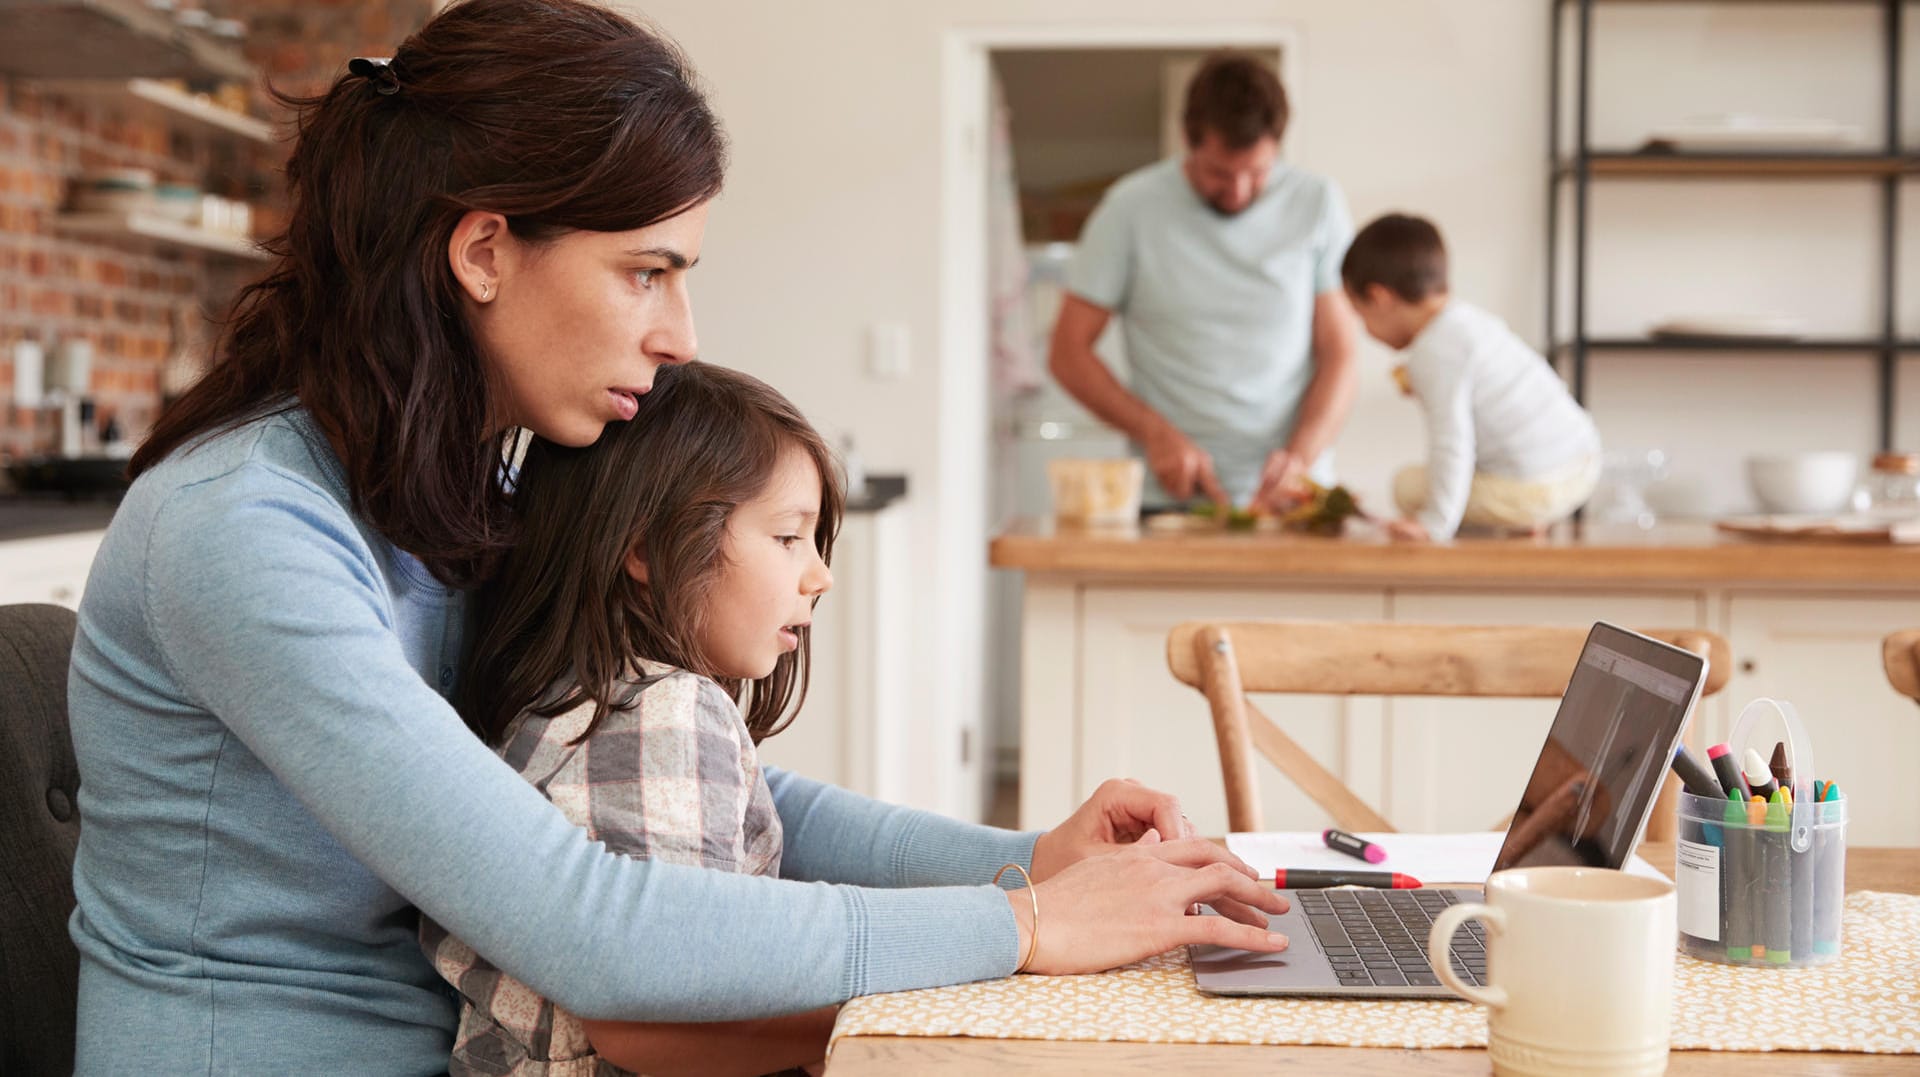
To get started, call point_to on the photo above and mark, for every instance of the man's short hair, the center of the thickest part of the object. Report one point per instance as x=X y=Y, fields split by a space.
x=1237 y=97
x=1400 y=252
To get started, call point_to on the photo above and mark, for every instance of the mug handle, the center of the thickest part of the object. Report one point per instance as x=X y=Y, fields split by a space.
x=1440 y=945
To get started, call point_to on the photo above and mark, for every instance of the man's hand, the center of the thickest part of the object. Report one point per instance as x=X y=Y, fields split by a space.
x=1182 y=467
x=1408 y=530
x=1283 y=482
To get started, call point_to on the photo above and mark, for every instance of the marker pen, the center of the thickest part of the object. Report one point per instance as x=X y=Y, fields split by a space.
x=1760 y=783
x=1314 y=879
x=1352 y=845
x=1699 y=781
x=1727 y=768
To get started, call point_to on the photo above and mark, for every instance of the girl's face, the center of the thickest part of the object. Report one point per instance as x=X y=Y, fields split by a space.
x=573 y=329
x=770 y=575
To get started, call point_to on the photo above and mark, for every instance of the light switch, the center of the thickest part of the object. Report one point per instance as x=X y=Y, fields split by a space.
x=889 y=351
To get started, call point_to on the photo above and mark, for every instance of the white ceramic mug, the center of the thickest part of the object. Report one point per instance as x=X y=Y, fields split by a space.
x=1580 y=968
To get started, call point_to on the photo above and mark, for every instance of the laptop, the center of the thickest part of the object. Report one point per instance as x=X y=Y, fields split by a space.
x=1586 y=803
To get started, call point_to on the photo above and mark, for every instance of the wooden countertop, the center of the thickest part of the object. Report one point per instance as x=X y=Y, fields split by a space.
x=1671 y=554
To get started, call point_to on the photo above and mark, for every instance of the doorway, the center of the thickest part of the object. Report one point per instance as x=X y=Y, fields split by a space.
x=1074 y=109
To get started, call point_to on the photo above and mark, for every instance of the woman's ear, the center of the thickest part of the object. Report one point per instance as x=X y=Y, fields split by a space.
x=478 y=252
x=636 y=566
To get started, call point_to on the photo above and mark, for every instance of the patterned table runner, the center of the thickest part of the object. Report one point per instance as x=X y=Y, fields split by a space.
x=1868 y=1000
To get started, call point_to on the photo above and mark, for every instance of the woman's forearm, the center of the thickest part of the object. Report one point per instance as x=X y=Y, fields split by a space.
x=719 y=1049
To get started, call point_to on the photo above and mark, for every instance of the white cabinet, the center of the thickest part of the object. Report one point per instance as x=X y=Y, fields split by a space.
x=1822 y=654
x=850 y=730
x=1098 y=701
x=1137 y=721
x=49 y=569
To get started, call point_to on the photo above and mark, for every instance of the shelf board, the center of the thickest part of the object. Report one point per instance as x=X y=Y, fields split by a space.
x=1749 y=165
x=1795 y=345
x=100 y=39
x=152 y=229
x=152 y=97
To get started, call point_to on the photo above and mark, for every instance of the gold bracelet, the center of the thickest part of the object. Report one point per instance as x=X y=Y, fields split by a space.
x=1034 y=946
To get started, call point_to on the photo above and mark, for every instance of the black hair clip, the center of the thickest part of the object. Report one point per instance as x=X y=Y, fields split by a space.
x=378 y=71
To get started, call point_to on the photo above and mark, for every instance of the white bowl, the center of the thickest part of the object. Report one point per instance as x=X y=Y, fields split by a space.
x=1808 y=482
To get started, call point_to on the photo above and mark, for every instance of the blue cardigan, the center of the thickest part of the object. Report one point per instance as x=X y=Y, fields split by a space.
x=272 y=780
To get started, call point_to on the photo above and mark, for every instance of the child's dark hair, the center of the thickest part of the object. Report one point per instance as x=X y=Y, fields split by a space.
x=560 y=115
x=1236 y=96
x=564 y=610
x=1402 y=253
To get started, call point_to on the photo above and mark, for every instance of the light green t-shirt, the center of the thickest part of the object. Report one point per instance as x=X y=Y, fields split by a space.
x=1217 y=311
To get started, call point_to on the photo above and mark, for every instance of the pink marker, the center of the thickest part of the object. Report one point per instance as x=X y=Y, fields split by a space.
x=1341 y=841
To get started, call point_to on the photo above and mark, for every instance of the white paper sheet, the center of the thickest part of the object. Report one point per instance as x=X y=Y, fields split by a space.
x=1430 y=858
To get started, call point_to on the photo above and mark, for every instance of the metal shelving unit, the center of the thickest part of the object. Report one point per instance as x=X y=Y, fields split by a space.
x=1583 y=165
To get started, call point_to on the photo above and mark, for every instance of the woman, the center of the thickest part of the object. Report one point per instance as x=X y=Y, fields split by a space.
x=491 y=232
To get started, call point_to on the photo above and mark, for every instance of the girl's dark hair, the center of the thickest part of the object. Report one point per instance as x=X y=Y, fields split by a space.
x=557 y=114
x=565 y=612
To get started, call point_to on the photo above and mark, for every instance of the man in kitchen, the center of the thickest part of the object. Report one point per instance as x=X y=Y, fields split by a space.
x=1224 y=267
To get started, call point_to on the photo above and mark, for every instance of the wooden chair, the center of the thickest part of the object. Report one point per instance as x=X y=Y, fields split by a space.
x=1226 y=660
x=1901 y=652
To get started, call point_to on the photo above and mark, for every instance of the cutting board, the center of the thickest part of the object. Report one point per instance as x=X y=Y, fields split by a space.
x=1856 y=528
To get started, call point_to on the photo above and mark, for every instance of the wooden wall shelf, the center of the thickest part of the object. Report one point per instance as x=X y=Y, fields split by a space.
x=154 y=98
x=148 y=228
x=103 y=39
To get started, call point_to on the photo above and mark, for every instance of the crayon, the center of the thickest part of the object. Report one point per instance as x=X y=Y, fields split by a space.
x=1779 y=885
x=1801 y=874
x=1727 y=769
x=1777 y=765
x=1829 y=872
x=1315 y=879
x=1735 y=872
x=1757 y=864
x=1759 y=781
x=1352 y=845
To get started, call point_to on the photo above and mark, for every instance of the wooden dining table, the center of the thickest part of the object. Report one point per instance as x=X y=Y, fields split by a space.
x=1886 y=869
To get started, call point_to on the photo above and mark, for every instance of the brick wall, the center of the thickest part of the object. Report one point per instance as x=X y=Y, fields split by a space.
x=127 y=298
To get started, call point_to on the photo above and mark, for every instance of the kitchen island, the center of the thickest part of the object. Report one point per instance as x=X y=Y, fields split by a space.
x=1804 y=622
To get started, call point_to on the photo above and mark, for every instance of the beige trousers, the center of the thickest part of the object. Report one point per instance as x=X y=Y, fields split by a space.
x=1494 y=501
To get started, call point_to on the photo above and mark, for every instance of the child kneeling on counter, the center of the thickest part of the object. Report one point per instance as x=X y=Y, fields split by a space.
x=1507 y=445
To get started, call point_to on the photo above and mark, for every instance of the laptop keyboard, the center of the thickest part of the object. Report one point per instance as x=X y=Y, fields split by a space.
x=1380 y=936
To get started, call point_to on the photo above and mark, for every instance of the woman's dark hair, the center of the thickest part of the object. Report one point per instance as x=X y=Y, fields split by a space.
x=564 y=610
x=557 y=114
x=1236 y=96
x=1402 y=253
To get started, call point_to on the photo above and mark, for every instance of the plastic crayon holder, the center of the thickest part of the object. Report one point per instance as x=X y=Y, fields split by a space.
x=1763 y=884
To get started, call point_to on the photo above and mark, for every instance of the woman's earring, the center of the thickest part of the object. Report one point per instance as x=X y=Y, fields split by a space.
x=486 y=290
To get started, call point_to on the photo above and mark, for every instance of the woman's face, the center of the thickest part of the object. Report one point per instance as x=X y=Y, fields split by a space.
x=573 y=329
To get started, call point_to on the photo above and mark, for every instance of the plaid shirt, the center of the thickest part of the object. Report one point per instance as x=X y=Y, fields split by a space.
x=674 y=778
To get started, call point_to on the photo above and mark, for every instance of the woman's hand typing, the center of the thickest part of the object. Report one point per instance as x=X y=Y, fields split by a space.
x=1121 y=906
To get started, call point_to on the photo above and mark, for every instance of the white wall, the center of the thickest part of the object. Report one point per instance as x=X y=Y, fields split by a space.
x=832 y=219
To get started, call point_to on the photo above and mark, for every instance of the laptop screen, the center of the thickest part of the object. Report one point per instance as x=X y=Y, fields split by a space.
x=1607 y=753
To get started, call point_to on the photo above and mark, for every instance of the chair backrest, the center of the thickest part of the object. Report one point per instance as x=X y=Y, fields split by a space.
x=39 y=828
x=1226 y=660
x=1901 y=652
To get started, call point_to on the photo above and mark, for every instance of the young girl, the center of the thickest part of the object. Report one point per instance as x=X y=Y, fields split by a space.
x=627 y=664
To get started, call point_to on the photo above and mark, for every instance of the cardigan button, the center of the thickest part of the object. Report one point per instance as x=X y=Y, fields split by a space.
x=60 y=804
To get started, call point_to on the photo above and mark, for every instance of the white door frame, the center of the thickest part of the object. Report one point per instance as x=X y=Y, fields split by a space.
x=959 y=594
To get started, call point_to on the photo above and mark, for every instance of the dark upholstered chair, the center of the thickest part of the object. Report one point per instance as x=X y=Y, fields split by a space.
x=39 y=827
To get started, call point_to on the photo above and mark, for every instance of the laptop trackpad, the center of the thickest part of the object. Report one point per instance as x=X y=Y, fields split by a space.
x=1301 y=966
